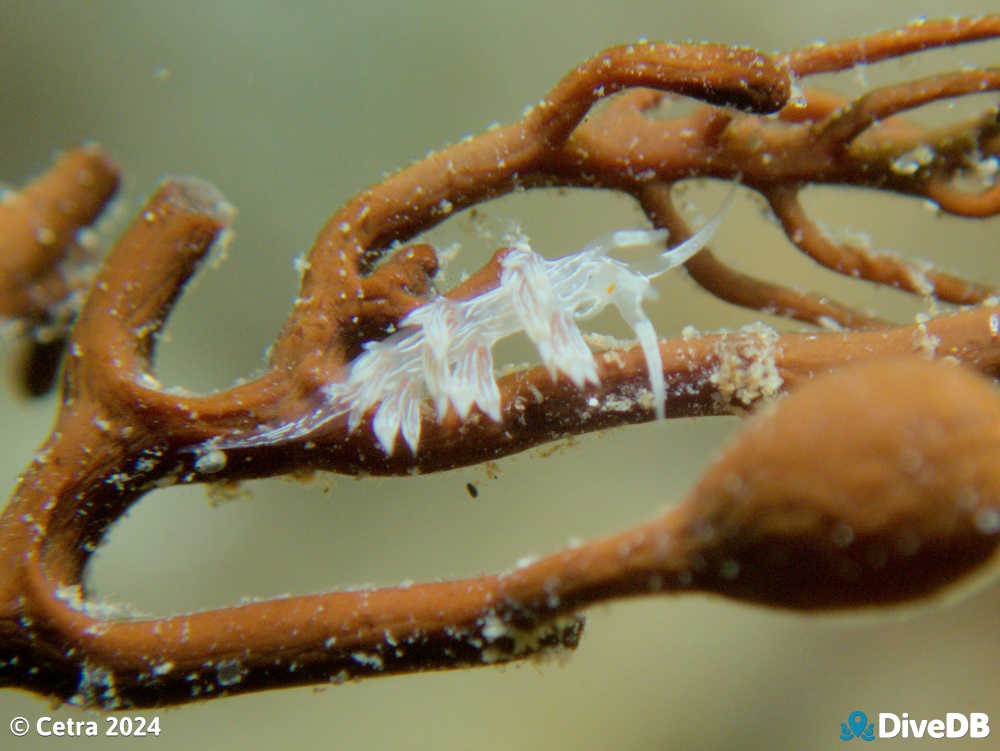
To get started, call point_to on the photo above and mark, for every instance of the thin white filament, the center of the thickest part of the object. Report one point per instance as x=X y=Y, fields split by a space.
x=442 y=349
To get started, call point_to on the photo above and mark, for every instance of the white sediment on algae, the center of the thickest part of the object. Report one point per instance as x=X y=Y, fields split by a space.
x=747 y=368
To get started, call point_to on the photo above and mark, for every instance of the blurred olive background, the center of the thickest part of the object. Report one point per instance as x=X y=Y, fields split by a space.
x=291 y=109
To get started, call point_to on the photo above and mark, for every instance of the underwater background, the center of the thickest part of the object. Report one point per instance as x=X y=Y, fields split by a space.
x=290 y=109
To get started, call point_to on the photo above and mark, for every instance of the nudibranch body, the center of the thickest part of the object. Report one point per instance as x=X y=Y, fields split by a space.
x=443 y=349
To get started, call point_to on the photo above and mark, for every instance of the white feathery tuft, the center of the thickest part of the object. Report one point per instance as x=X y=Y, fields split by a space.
x=443 y=349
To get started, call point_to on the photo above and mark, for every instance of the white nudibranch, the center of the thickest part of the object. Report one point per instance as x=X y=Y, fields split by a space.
x=443 y=349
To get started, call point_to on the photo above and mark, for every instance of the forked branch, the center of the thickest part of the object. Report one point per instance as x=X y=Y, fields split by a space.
x=874 y=485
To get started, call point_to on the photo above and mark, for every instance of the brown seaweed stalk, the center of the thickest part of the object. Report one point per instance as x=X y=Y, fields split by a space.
x=870 y=484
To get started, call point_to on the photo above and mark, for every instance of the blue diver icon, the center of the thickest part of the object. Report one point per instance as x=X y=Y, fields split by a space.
x=857 y=727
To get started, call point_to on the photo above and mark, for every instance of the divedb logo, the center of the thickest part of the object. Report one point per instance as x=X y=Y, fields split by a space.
x=890 y=725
